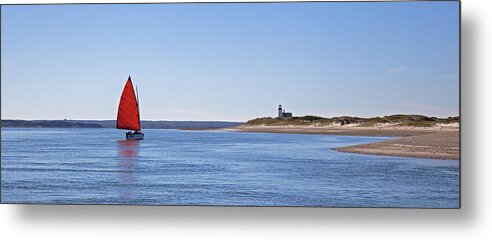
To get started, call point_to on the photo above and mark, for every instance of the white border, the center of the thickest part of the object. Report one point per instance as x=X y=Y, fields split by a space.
x=473 y=221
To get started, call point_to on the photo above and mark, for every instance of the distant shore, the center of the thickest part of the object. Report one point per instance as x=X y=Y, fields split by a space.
x=146 y=124
x=416 y=142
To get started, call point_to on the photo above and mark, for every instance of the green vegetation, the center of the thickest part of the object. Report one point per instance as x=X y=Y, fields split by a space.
x=396 y=120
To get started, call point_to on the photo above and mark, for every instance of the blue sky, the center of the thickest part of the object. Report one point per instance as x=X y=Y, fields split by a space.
x=231 y=61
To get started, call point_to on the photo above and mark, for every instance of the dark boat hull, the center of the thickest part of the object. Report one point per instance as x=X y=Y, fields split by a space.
x=134 y=136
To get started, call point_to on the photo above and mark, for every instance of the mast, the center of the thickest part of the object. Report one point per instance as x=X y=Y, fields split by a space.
x=138 y=107
x=136 y=87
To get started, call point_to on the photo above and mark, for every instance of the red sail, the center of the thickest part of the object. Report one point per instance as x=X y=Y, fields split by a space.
x=128 y=114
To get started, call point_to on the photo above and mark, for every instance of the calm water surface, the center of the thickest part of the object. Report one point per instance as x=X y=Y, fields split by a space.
x=173 y=167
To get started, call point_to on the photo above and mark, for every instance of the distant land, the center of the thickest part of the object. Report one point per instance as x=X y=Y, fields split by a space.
x=397 y=120
x=415 y=136
x=112 y=124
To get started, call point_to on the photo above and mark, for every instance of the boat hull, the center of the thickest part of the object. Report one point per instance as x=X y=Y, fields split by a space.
x=135 y=136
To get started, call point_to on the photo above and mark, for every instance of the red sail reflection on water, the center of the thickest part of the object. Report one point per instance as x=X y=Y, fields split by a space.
x=128 y=155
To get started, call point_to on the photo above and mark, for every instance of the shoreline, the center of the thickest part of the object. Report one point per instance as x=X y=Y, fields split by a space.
x=422 y=142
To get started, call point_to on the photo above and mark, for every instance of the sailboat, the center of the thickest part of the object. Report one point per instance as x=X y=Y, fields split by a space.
x=129 y=113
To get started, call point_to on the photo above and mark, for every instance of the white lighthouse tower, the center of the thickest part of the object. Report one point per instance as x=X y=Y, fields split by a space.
x=280 y=113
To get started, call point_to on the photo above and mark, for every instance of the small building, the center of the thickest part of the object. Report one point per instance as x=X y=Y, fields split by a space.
x=282 y=113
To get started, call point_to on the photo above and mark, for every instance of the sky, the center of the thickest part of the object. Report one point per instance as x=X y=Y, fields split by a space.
x=230 y=62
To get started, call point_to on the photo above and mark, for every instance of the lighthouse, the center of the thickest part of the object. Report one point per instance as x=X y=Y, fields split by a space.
x=282 y=113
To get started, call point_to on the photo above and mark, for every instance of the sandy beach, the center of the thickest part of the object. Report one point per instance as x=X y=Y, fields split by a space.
x=441 y=145
x=417 y=142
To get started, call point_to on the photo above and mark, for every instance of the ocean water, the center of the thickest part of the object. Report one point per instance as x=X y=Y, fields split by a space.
x=174 y=167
